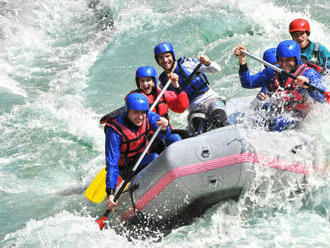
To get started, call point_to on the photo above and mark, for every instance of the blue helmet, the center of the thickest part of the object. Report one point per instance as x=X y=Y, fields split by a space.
x=288 y=48
x=145 y=71
x=137 y=101
x=163 y=48
x=270 y=56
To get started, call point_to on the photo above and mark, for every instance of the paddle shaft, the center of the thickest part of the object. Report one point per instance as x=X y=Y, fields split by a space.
x=279 y=70
x=160 y=95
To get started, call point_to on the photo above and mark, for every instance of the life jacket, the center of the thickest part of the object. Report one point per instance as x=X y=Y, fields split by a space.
x=132 y=144
x=314 y=61
x=193 y=86
x=287 y=91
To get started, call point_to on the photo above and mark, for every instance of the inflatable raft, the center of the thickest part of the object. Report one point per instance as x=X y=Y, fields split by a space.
x=195 y=173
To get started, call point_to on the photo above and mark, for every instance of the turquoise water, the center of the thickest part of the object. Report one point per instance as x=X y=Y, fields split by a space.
x=65 y=64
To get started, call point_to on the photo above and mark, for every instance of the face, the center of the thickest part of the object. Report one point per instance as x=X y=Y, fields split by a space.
x=165 y=60
x=146 y=84
x=136 y=117
x=301 y=37
x=287 y=64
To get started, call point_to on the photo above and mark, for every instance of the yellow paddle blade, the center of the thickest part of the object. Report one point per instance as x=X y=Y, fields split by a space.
x=96 y=190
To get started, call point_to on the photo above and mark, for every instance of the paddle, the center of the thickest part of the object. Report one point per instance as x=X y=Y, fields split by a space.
x=96 y=189
x=279 y=70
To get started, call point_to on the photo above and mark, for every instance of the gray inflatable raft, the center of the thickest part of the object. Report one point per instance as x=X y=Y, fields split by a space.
x=195 y=173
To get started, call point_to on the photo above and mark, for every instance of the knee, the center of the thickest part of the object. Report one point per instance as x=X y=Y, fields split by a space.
x=219 y=118
x=176 y=137
x=173 y=138
x=153 y=156
x=149 y=158
x=199 y=125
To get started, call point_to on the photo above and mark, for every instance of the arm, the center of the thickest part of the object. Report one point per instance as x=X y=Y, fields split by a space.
x=177 y=101
x=212 y=67
x=153 y=119
x=248 y=81
x=112 y=154
x=314 y=78
x=261 y=79
x=208 y=65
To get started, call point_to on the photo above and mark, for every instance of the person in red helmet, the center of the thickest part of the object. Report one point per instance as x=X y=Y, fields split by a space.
x=311 y=52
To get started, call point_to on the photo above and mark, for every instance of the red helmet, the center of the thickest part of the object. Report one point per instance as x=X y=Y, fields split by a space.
x=299 y=25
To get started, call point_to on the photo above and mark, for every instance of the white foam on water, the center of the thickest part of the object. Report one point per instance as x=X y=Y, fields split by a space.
x=64 y=229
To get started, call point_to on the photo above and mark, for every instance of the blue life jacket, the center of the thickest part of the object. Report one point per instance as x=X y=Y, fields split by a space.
x=192 y=86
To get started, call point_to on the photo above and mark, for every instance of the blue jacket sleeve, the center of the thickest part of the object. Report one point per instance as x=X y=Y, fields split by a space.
x=261 y=79
x=315 y=79
x=112 y=154
x=153 y=118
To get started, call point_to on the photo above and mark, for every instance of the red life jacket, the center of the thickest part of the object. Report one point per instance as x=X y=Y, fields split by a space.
x=132 y=144
x=288 y=93
x=316 y=67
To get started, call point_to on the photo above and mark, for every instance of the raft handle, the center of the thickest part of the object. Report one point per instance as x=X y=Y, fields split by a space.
x=205 y=152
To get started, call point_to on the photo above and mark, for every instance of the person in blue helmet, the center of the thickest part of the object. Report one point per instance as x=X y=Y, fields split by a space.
x=146 y=81
x=207 y=109
x=270 y=57
x=292 y=99
x=258 y=103
x=312 y=53
x=126 y=138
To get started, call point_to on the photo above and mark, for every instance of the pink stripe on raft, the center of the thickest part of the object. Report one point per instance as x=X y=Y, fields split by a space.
x=214 y=164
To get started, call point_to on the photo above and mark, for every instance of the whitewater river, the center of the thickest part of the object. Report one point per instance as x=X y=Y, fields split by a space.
x=64 y=64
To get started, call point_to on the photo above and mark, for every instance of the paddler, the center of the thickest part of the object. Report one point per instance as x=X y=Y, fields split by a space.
x=126 y=138
x=207 y=109
x=270 y=57
x=177 y=101
x=311 y=52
